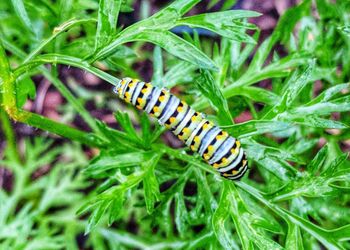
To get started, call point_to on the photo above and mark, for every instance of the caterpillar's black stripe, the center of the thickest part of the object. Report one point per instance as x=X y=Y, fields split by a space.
x=219 y=149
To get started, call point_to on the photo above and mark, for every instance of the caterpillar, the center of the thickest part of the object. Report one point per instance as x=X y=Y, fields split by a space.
x=215 y=146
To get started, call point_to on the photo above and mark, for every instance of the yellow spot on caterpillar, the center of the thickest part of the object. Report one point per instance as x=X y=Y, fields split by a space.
x=197 y=139
x=172 y=119
x=138 y=106
x=205 y=156
x=233 y=151
x=156 y=109
x=193 y=148
x=238 y=143
x=148 y=85
x=140 y=100
x=224 y=160
x=180 y=109
x=234 y=172
x=216 y=165
x=196 y=117
x=161 y=98
x=210 y=148
x=219 y=137
x=205 y=126
x=186 y=130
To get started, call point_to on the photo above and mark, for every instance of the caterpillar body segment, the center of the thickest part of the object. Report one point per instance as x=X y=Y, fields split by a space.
x=215 y=146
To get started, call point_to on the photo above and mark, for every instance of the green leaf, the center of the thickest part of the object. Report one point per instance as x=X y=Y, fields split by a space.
x=271 y=159
x=224 y=23
x=288 y=21
x=258 y=95
x=256 y=127
x=318 y=122
x=324 y=236
x=151 y=185
x=296 y=84
x=125 y=122
x=294 y=240
x=329 y=93
x=116 y=206
x=25 y=88
x=102 y=164
x=342 y=233
x=325 y=108
x=345 y=29
x=332 y=170
x=22 y=14
x=220 y=215
x=303 y=145
x=163 y=20
x=107 y=21
x=318 y=160
x=228 y=4
x=67 y=60
x=176 y=46
x=180 y=72
x=210 y=89
x=180 y=7
x=244 y=221
x=146 y=129
x=96 y=215
x=326 y=9
x=180 y=214
x=64 y=27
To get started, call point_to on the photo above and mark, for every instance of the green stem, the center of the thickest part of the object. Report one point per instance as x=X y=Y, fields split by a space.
x=10 y=137
x=66 y=60
x=61 y=129
x=58 y=84
x=251 y=108
x=10 y=106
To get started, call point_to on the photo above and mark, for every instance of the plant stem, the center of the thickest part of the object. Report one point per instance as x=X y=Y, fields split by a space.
x=10 y=137
x=10 y=106
x=66 y=60
x=59 y=85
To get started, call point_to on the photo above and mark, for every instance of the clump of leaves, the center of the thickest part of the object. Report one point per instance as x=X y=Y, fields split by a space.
x=149 y=195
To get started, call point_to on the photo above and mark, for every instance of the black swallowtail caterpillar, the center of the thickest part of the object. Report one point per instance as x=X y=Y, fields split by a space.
x=216 y=146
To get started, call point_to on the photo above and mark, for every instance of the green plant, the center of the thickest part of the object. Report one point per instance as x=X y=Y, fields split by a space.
x=294 y=196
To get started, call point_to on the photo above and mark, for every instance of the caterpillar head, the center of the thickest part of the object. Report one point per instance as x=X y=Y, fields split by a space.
x=117 y=87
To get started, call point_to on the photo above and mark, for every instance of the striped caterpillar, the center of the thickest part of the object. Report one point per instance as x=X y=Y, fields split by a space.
x=216 y=146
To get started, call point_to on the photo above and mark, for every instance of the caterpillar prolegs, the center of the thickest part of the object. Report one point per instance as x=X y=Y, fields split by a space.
x=216 y=146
